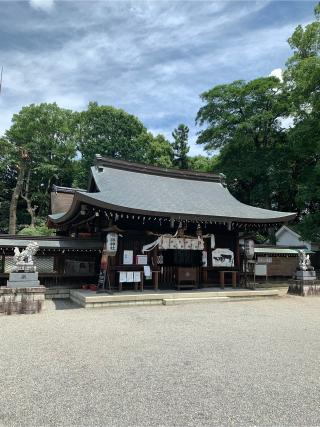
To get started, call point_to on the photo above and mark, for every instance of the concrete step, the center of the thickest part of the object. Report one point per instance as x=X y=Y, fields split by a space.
x=90 y=299
x=176 y=301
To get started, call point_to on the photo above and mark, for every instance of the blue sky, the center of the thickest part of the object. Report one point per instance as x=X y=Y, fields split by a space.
x=151 y=58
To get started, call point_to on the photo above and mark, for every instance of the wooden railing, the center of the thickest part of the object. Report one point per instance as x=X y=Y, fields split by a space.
x=167 y=276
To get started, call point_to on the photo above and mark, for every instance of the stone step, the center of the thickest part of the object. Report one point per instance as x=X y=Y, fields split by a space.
x=23 y=284
x=176 y=301
x=87 y=298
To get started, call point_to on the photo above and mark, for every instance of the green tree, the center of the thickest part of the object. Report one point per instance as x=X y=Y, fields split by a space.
x=202 y=163
x=42 y=146
x=7 y=183
x=302 y=78
x=180 y=146
x=110 y=132
x=158 y=151
x=243 y=121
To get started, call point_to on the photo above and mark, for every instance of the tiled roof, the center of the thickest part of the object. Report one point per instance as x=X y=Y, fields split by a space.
x=160 y=192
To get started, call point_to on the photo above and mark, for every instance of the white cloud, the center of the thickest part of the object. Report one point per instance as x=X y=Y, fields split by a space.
x=151 y=58
x=277 y=72
x=45 y=5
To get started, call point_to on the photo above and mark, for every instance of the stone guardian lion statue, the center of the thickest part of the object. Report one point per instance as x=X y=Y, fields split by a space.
x=25 y=257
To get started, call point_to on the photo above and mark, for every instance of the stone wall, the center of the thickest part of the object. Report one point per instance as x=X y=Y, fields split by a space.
x=304 y=288
x=21 y=300
x=58 y=293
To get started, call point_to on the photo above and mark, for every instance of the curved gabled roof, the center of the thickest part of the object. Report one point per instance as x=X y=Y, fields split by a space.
x=133 y=188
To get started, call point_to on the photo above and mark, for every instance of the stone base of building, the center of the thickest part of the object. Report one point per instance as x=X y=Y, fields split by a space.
x=304 y=288
x=21 y=300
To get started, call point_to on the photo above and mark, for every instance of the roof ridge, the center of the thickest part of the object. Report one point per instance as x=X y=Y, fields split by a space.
x=156 y=170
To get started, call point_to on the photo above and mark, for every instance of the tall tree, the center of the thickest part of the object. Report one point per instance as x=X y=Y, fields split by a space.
x=110 y=132
x=180 y=146
x=202 y=164
x=114 y=133
x=243 y=121
x=158 y=151
x=302 y=78
x=42 y=146
x=7 y=183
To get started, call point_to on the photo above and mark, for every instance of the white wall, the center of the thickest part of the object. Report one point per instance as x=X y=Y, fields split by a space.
x=287 y=239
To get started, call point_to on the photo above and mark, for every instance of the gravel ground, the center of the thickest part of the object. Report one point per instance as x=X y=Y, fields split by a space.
x=233 y=363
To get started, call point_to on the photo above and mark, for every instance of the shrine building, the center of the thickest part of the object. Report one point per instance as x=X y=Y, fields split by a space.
x=158 y=228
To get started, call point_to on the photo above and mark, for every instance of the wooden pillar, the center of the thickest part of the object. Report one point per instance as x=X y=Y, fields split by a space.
x=155 y=278
x=204 y=275
x=237 y=252
x=234 y=279
x=221 y=274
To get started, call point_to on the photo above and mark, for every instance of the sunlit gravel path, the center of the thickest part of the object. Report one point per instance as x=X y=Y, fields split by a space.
x=232 y=363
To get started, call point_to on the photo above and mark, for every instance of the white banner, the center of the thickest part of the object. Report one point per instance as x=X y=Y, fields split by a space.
x=183 y=243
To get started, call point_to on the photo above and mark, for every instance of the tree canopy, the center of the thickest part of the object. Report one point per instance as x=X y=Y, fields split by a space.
x=41 y=148
x=180 y=146
x=267 y=162
x=114 y=133
x=49 y=145
x=302 y=77
x=244 y=121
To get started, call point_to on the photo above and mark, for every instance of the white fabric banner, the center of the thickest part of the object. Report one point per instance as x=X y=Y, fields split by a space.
x=182 y=243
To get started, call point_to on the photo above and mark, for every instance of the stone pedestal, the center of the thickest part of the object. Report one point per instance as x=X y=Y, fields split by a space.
x=304 y=288
x=23 y=279
x=306 y=275
x=21 y=300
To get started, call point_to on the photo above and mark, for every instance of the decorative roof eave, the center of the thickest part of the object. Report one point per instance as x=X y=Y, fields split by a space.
x=67 y=190
x=88 y=199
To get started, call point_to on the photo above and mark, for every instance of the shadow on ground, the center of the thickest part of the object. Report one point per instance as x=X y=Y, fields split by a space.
x=62 y=304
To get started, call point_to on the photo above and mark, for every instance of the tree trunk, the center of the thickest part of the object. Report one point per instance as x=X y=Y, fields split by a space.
x=31 y=210
x=14 y=201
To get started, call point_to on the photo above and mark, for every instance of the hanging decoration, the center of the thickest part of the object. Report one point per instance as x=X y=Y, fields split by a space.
x=167 y=241
x=112 y=244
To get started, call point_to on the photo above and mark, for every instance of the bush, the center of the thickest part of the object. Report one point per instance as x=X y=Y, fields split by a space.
x=39 y=230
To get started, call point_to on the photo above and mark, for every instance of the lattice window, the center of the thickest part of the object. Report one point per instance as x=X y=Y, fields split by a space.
x=79 y=266
x=44 y=264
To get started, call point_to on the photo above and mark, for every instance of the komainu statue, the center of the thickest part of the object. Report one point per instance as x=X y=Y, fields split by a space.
x=304 y=261
x=24 y=260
